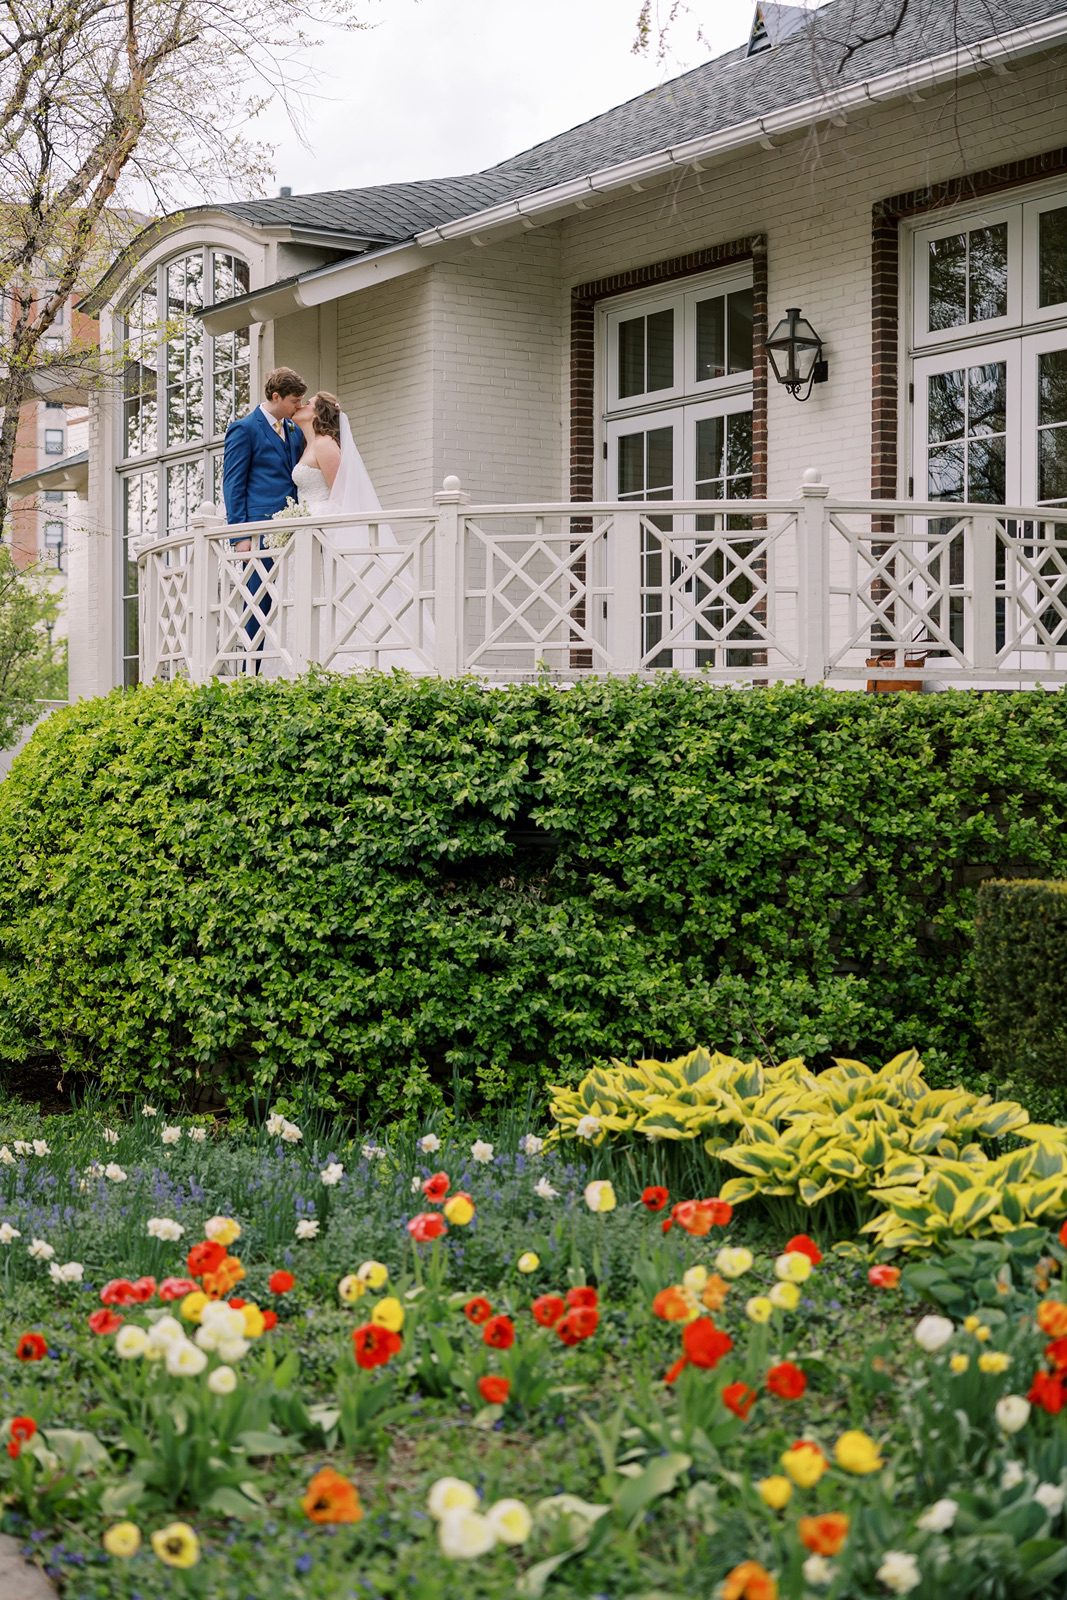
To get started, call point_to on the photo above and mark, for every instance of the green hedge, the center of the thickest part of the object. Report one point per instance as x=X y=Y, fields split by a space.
x=401 y=889
x=1020 y=965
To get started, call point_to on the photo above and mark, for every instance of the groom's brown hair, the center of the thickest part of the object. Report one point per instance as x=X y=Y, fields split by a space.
x=285 y=382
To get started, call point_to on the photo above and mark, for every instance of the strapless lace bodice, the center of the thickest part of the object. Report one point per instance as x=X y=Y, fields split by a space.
x=310 y=485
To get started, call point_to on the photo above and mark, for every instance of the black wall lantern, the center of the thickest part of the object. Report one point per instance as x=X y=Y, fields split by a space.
x=794 y=350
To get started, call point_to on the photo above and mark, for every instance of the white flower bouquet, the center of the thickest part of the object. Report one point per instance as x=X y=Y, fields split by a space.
x=292 y=508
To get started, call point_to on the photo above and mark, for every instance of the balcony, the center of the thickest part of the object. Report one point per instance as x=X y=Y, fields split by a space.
x=811 y=589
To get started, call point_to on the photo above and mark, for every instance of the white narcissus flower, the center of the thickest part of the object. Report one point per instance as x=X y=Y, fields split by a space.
x=531 y=1145
x=939 y=1517
x=94 y=1170
x=932 y=1333
x=8 y=1233
x=588 y=1127
x=1012 y=1475
x=6 y=1158
x=149 y=1111
x=40 y=1148
x=510 y=1521
x=451 y=1494
x=222 y=1381
x=1050 y=1498
x=197 y=1135
x=374 y=1152
x=463 y=1535
x=1012 y=1413
x=600 y=1195
x=899 y=1571
x=110 y=1136
x=544 y=1190
x=818 y=1571
x=130 y=1341
x=23 y=1147
x=429 y=1143
x=331 y=1174
x=291 y=1133
x=170 y=1134
x=114 y=1173
x=69 y=1272
x=274 y=1124
x=164 y=1228
x=307 y=1228
x=184 y=1360
x=481 y=1151
x=39 y=1250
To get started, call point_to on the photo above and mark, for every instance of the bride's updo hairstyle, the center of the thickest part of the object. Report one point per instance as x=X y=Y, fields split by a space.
x=327 y=415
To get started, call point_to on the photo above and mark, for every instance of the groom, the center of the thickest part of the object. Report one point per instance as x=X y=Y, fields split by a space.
x=258 y=458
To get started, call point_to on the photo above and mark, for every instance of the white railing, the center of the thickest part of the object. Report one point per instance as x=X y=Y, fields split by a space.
x=810 y=589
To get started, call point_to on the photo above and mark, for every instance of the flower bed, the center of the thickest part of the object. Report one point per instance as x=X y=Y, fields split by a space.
x=281 y=1361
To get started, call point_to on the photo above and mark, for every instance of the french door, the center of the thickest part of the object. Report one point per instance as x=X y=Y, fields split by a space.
x=689 y=592
x=991 y=429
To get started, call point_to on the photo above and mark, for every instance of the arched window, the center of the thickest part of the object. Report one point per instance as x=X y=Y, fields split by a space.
x=181 y=389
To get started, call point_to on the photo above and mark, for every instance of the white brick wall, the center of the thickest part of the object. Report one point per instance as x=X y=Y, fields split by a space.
x=813 y=199
x=497 y=351
x=385 y=378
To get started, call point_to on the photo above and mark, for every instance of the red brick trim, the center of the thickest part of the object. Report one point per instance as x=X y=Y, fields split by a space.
x=885 y=290
x=584 y=298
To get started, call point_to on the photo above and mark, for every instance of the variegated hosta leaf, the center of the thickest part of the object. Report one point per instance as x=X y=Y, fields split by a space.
x=970 y=1209
x=993 y=1122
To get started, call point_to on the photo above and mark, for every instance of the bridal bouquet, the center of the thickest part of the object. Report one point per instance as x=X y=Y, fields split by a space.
x=292 y=508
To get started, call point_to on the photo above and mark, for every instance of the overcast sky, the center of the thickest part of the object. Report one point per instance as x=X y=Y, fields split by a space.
x=449 y=86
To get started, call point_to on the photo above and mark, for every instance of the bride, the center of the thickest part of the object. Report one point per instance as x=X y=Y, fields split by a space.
x=330 y=477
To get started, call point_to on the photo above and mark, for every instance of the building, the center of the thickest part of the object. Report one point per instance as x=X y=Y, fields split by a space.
x=587 y=323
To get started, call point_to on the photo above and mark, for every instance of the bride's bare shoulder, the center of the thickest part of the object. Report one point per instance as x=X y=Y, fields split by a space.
x=327 y=449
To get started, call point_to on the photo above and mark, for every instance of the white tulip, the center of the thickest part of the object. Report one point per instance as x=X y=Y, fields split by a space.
x=463 y=1535
x=164 y=1228
x=130 y=1341
x=222 y=1381
x=1050 y=1497
x=451 y=1494
x=818 y=1571
x=1012 y=1413
x=931 y=1334
x=900 y=1570
x=510 y=1521
x=1012 y=1475
x=184 y=1359
x=939 y=1517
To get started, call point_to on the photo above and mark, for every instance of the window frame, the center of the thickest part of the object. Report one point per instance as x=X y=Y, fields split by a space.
x=923 y=336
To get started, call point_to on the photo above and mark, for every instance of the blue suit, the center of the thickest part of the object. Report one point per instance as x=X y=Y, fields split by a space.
x=257 y=468
x=257 y=479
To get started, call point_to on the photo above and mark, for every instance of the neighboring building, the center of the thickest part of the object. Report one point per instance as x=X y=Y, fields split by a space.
x=53 y=427
x=587 y=320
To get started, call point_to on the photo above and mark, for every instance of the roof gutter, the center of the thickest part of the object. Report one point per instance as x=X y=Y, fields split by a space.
x=933 y=73
x=315 y=288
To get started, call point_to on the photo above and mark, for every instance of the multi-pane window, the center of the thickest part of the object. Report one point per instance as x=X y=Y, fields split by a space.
x=676 y=372
x=53 y=441
x=989 y=349
x=181 y=389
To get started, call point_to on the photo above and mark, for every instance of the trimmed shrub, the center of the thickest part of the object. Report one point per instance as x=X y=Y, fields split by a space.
x=1020 y=963
x=403 y=891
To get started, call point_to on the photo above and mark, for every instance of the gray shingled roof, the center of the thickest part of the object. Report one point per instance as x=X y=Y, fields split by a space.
x=733 y=88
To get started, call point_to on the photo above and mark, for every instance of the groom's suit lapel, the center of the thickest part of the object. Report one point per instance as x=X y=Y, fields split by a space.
x=280 y=444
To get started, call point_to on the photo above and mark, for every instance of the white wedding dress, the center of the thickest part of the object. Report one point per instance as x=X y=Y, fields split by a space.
x=353 y=582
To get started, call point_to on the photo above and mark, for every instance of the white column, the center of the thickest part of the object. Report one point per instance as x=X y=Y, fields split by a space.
x=812 y=530
x=624 y=601
x=448 y=578
x=981 y=536
x=203 y=589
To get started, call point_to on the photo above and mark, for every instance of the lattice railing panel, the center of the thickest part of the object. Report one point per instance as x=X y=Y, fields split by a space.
x=1034 y=612
x=375 y=603
x=248 y=612
x=897 y=588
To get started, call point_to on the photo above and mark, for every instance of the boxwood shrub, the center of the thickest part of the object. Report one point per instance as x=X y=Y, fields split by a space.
x=401 y=892
x=1020 y=965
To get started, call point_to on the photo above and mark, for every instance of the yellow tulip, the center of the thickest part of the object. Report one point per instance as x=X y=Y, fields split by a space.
x=254 y=1324
x=857 y=1452
x=459 y=1209
x=351 y=1288
x=176 y=1545
x=529 y=1261
x=786 y=1296
x=993 y=1361
x=192 y=1307
x=959 y=1362
x=124 y=1540
x=695 y=1279
x=775 y=1491
x=373 y=1274
x=388 y=1313
x=600 y=1195
x=759 y=1308
x=793 y=1267
x=805 y=1464
x=223 y=1230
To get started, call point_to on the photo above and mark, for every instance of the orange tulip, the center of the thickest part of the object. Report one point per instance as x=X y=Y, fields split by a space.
x=331 y=1498
x=823 y=1535
x=749 y=1581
